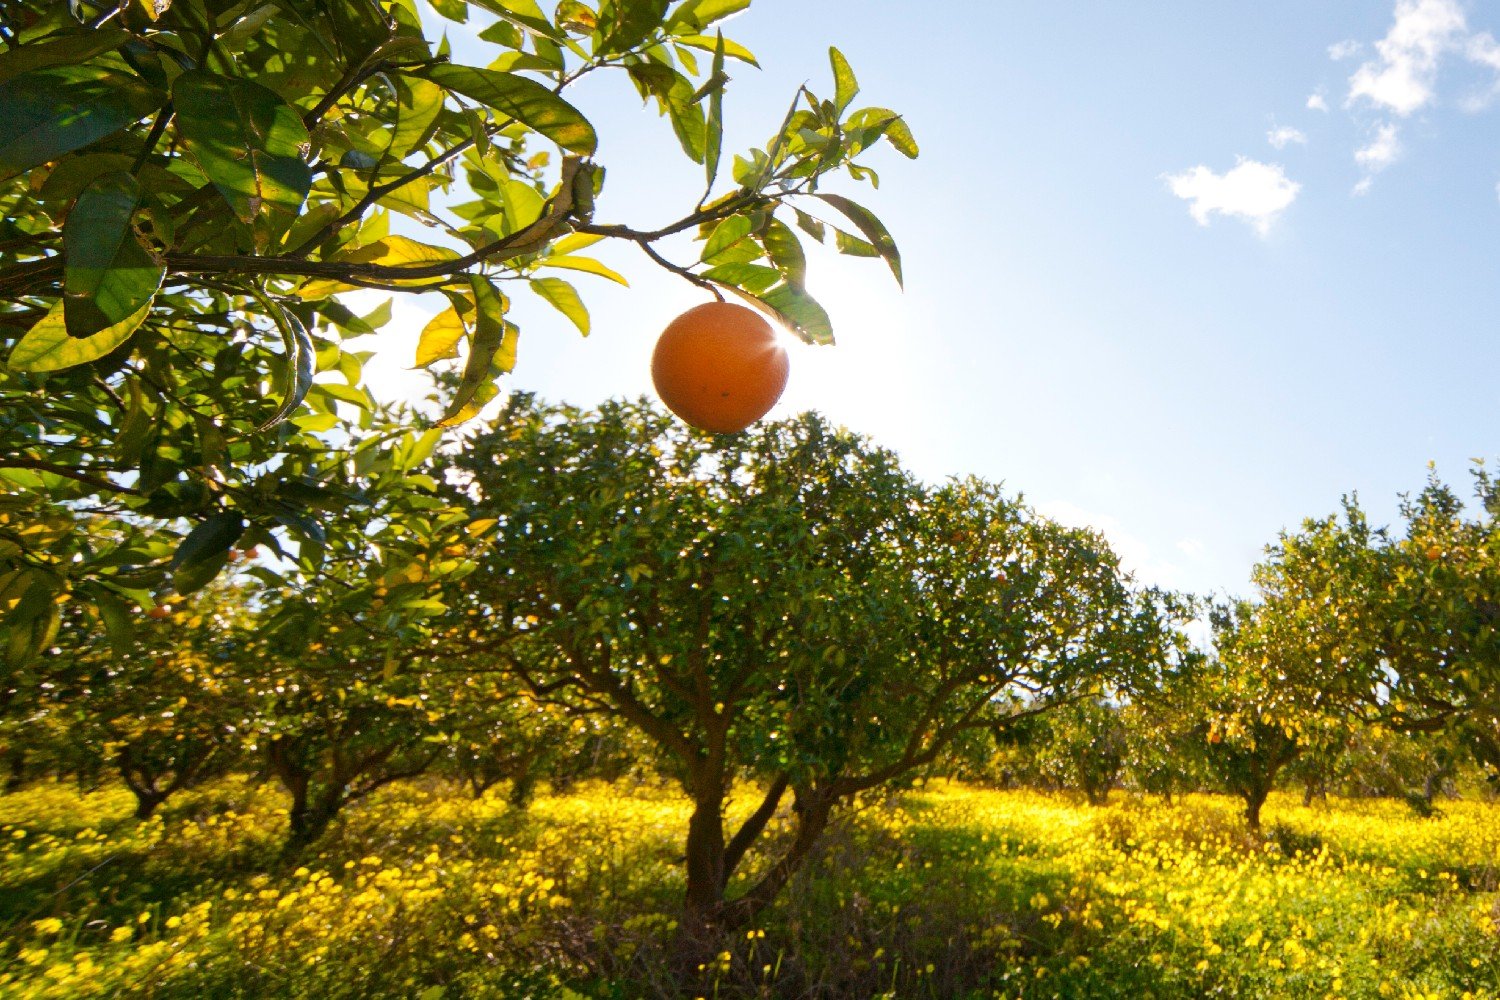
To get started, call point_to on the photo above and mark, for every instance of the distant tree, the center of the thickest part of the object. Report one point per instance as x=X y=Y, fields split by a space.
x=1262 y=702
x=1405 y=628
x=156 y=699
x=1080 y=746
x=1164 y=746
x=1375 y=760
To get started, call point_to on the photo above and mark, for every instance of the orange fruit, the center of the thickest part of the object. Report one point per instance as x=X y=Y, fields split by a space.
x=159 y=612
x=719 y=367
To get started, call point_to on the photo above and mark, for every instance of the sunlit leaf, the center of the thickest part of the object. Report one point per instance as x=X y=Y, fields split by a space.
x=46 y=347
x=53 y=111
x=871 y=227
x=440 y=338
x=845 y=86
x=522 y=99
x=108 y=276
x=488 y=347
x=587 y=264
x=564 y=297
x=695 y=15
x=247 y=140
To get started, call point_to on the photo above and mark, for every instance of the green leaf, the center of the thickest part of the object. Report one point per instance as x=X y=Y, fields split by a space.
x=575 y=241
x=725 y=235
x=453 y=10
x=525 y=14
x=46 y=347
x=810 y=225
x=50 y=112
x=439 y=338
x=713 y=128
x=853 y=246
x=732 y=49
x=205 y=551
x=750 y=277
x=785 y=251
x=889 y=124
x=107 y=275
x=801 y=313
x=695 y=15
x=114 y=613
x=563 y=297
x=522 y=99
x=247 y=140
x=488 y=347
x=587 y=264
x=419 y=102
x=634 y=20
x=844 y=84
x=241 y=31
x=871 y=227
x=301 y=358
x=749 y=172
x=60 y=49
x=675 y=96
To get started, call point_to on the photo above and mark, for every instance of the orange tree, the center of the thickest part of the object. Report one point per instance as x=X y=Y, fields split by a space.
x=187 y=185
x=158 y=701
x=1401 y=627
x=787 y=606
x=1261 y=701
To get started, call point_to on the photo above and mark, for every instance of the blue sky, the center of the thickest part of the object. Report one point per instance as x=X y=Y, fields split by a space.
x=1184 y=274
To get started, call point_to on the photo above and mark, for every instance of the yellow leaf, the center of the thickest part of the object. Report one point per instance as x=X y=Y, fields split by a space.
x=391 y=251
x=46 y=347
x=440 y=337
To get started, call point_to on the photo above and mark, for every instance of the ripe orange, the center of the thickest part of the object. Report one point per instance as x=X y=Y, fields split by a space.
x=159 y=612
x=719 y=367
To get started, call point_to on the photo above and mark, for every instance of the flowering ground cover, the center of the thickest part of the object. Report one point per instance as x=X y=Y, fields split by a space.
x=945 y=890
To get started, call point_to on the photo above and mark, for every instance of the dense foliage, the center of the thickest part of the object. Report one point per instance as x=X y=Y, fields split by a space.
x=187 y=186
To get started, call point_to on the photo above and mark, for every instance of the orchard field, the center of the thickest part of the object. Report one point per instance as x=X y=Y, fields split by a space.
x=945 y=890
x=319 y=682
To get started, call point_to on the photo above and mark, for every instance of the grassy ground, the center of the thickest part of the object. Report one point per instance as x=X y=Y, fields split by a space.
x=947 y=891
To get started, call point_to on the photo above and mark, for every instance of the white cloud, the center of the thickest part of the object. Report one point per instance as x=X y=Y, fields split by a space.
x=1344 y=50
x=1363 y=187
x=1315 y=102
x=1401 y=78
x=1136 y=555
x=1252 y=191
x=1483 y=50
x=1192 y=547
x=1381 y=151
x=1283 y=136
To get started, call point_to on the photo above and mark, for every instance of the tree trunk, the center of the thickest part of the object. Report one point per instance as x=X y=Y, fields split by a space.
x=705 y=859
x=15 y=767
x=296 y=778
x=146 y=803
x=711 y=862
x=1255 y=795
x=310 y=819
x=141 y=785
